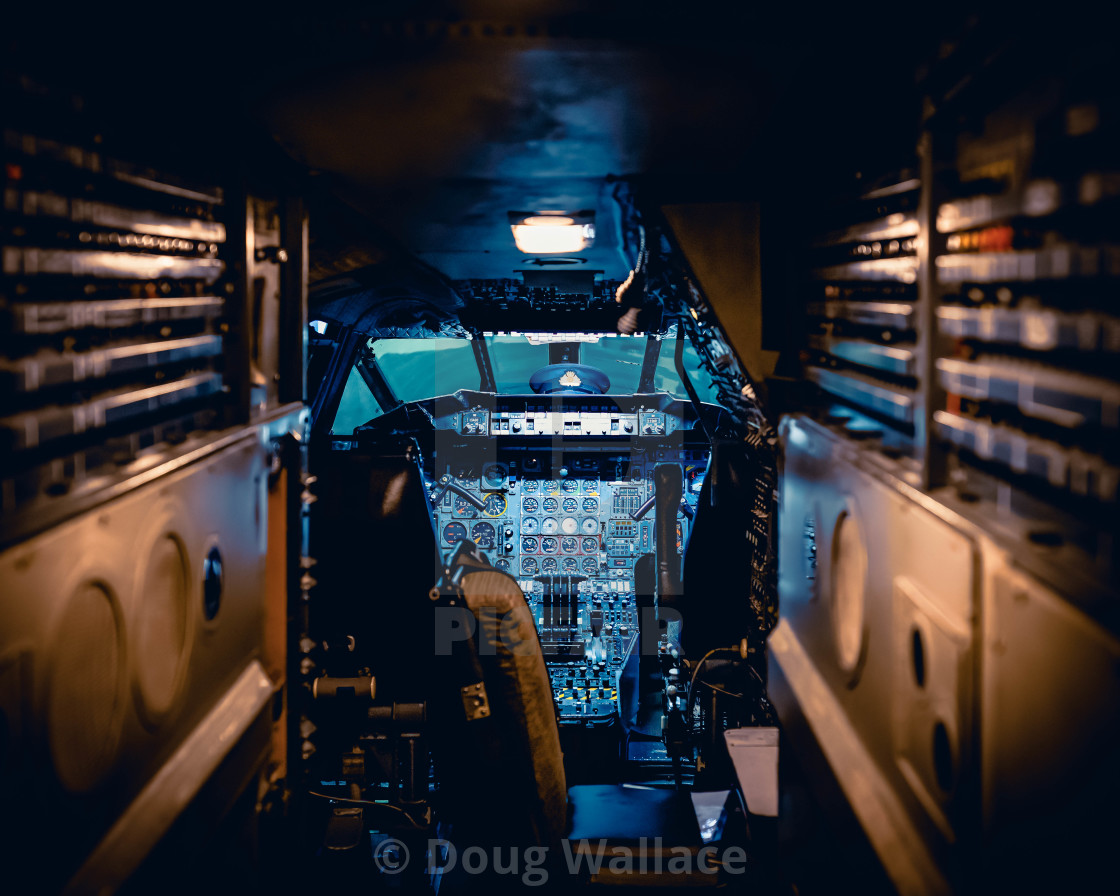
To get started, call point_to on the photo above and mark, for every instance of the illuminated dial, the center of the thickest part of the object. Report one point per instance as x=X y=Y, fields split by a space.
x=549 y=545
x=528 y=545
x=591 y=486
x=463 y=507
x=503 y=565
x=569 y=545
x=529 y=505
x=549 y=567
x=530 y=525
x=590 y=545
x=482 y=534
x=529 y=486
x=590 y=526
x=590 y=565
x=590 y=505
x=550 y=505
x=549 y=526
x=495 y=505
x=453 y=533
x=570 y=485
x=493 y=476
x=570 y=505
x=570 y=565
x=551 y=485
x=569 y=526
x=529 y=566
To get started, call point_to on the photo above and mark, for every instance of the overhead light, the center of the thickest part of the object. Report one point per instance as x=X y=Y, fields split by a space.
x=552 y=232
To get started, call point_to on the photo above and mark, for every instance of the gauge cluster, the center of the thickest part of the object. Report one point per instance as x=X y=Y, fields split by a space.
x=579 y=523
x=568 y=521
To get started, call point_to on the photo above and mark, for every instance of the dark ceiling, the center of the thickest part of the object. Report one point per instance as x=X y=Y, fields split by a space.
x=429 y=122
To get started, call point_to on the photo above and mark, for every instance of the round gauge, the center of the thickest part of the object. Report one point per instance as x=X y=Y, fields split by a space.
x=502 y=564
x=569 y=526
x=549 y=526
x=569 y=545
x=495 y=505
x=530 y=525
x=549 y=545
x=493 y=476
x=463 y=507
x=570 y=505
x=590 y=565
x=680 y=537
x=528 y=545
x=570 y=565
x=590 y=505
x=550 y=566
x=590 y=526
x=591 y=486
x=529 y=486
x=590 y=545
x=570 y=485
x=529 y=566
x=529 y=505
x=482 y=534
x=551 y=485
x=453 y=533
x=550 y=505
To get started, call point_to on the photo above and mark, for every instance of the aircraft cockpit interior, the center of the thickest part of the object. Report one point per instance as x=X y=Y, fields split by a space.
x=468 y=446
x=593 y=451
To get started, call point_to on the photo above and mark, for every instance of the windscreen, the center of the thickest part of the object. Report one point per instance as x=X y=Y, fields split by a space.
x=415 y=369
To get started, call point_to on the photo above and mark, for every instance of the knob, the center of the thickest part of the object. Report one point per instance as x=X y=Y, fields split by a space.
x=509 y=532
x=509 y=547
x=517 y=426
x=628 y=426
x=563 y=472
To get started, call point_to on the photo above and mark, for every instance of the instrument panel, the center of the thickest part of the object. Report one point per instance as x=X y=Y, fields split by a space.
x=571 y=540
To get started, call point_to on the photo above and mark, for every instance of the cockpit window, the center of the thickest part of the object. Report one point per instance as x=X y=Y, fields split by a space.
x=416 y=369
x=357 y=405
x=665 y=378
x=514 y=358
x=620 y=358
x=421 y=368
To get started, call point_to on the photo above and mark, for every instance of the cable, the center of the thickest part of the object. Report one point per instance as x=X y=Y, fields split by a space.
x=370 y=803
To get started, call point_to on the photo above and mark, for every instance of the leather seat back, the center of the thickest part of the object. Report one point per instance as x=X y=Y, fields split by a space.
x=504 y=775
x=372 y=536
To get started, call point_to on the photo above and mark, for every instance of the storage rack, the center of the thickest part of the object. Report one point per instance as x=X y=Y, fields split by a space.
x=863 y=303
x=117 y=295
x=972 y=328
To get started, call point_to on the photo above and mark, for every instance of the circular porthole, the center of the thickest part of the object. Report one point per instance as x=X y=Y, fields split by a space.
x=212 y=584
x=849 y=585
x=161 y=633
x=918 y=658
x=84 y=704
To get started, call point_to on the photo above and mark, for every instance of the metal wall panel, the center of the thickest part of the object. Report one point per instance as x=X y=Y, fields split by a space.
x=120 y=631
